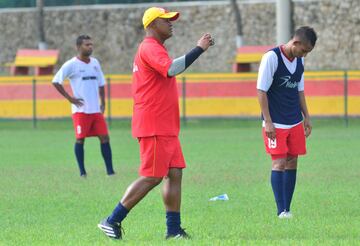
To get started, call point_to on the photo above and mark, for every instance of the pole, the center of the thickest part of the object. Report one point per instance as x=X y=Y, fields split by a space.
x=40 y=24
x=239 y=31
x=283 y=21
x=184 y=99
x=34 y=102
x=109 y=100
x=346 y=115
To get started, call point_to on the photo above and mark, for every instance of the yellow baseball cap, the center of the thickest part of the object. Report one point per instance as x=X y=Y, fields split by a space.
x=155 y=12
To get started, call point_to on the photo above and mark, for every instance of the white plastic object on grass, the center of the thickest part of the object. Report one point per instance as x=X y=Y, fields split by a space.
x=223 y=197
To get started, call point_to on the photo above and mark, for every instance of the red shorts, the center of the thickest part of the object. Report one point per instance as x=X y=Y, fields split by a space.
x=288 y=142
x=158 y=154
x=89 y=125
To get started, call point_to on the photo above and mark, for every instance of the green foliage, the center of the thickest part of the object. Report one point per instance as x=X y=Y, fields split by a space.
x=43 y=201
x=17 y=3
x=32 y=3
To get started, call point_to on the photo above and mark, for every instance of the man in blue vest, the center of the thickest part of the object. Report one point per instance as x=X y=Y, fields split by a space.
x=286 y=120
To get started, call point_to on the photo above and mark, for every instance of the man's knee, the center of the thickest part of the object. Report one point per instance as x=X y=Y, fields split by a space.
x=80 y=140
x=291 y=162
x=152 y=181
x=174 y=175
x=279 y=164
x=104 y=138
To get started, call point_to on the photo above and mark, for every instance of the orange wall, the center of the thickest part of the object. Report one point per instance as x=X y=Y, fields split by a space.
x=206 y=95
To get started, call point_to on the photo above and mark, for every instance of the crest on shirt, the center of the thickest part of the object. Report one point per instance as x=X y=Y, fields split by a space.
x=96 y=69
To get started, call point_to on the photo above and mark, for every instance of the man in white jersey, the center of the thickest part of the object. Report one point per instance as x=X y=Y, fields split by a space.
x=286 y=120
x=87 y=83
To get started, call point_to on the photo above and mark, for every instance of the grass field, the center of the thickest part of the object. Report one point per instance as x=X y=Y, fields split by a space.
x=43 y=201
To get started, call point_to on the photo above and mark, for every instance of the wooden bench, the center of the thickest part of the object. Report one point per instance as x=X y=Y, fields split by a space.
x=246 y=55
x=43 y=62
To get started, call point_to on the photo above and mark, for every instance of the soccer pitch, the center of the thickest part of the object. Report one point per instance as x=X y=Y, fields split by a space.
x=43 y=201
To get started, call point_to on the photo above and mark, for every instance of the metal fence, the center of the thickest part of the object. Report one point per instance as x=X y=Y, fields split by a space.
x=328 y=93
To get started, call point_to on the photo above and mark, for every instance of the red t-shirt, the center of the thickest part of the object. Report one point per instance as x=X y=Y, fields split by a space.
x=156 y=103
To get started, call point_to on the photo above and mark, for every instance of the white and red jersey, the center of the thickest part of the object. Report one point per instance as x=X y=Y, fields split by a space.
x=85 y=80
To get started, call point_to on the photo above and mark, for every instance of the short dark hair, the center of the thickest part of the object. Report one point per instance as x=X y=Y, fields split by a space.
x=81 y=38
x=306 y=34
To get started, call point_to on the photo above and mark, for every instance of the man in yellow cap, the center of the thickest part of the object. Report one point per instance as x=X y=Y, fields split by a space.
x=156 y=122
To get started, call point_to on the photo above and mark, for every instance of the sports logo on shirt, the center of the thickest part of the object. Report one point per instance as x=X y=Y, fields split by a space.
x=89 y=78
x=287 y=83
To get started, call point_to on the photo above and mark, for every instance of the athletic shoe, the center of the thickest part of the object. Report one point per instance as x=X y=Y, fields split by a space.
x=84 y=175
x=282 y=215
x=181 y=235
x=288 y=215
x=285 y=215
x=111 y=230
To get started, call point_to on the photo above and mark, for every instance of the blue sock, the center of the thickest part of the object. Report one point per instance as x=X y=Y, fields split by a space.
x=289 y=187
x=106 y=153
x=79 y=153
x=118 y=214
x=173 y=223
x=278 y=188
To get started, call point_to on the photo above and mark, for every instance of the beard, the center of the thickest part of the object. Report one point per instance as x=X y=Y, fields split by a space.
x=87 y=53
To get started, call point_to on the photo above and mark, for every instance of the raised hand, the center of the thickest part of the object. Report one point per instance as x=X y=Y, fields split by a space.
x=206 y=41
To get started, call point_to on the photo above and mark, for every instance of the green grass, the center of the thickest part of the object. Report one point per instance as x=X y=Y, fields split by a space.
x=44 y=202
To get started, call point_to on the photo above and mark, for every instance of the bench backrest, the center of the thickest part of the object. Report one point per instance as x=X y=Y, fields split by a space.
x=251 y=54
x=38 y=58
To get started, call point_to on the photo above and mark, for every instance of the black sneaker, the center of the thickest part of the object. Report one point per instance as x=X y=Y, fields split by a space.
x=181 y=235
x=111 y=230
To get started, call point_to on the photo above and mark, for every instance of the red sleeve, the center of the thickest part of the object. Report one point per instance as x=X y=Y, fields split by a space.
x=156 y=57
